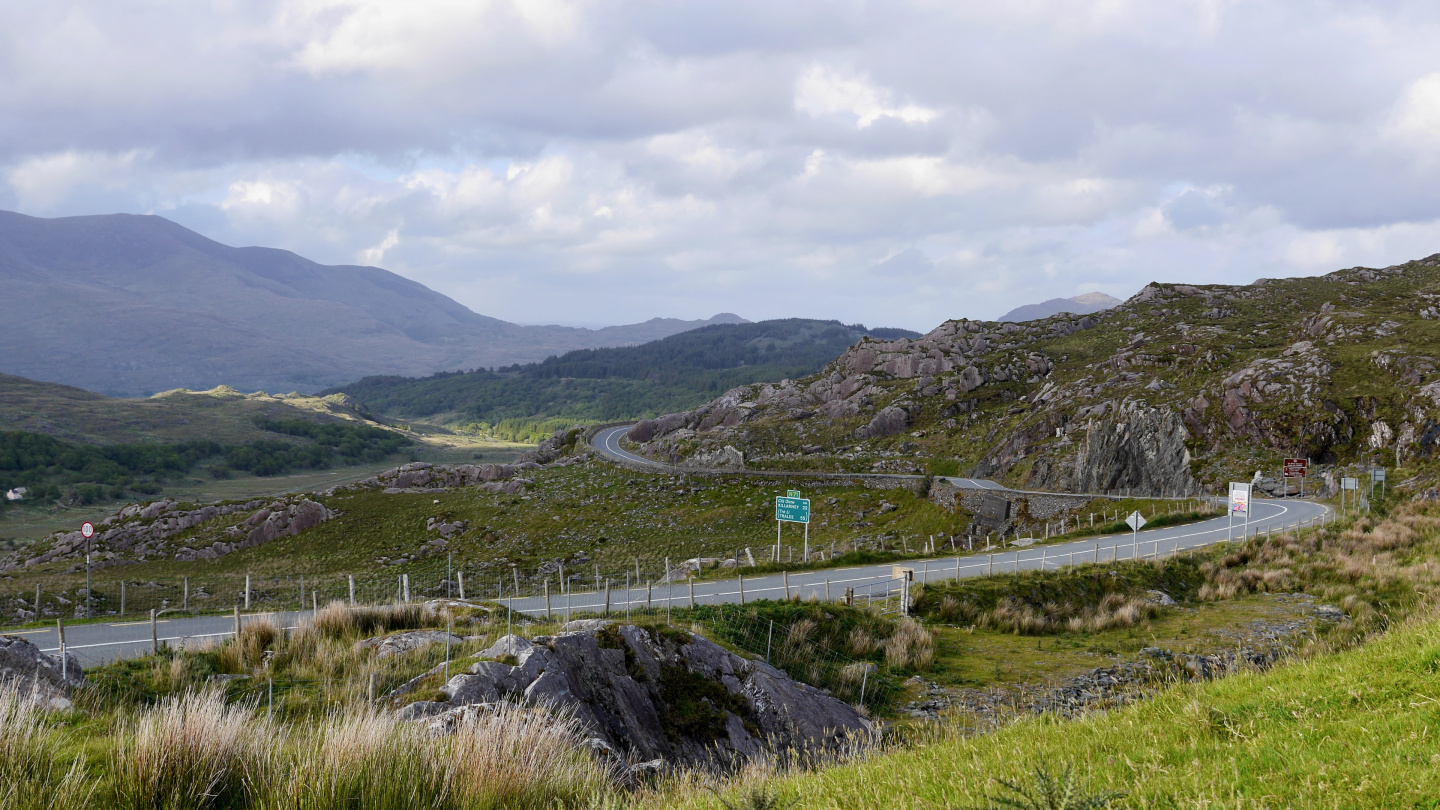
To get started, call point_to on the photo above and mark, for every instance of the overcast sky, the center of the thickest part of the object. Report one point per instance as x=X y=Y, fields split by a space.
x=895 y=163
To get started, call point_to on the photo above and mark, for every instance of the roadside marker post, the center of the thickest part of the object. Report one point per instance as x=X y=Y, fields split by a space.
x=60 y=628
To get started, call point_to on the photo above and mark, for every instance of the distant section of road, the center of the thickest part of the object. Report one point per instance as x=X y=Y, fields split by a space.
x=606 y=442
x=102 y=642
x=831 y=583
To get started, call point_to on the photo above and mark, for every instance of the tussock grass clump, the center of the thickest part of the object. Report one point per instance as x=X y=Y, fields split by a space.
x=362 y=757
x=338 y=620
x=193 y=751
x=522 y=757
x=1014 y=615
x=910 y=646
x=247 y=651
x=1085 y=599
x=512 y=757
x=32 y=769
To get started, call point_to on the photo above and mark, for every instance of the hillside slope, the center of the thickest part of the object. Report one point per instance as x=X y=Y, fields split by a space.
x=1177 y=390
x=679 y=371
x=222 y=414
x=131 y=305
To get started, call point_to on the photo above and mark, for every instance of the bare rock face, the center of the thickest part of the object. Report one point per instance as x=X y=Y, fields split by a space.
x=888 y=422
x=266 y=524
x=724 y=458
x=650 y=694
x=31 y=672
x=1143 y=452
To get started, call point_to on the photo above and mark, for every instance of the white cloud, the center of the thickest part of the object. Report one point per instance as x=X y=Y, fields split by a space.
x=375 y=255
x=823 y=90
x=1414 y=121
x=42 y=182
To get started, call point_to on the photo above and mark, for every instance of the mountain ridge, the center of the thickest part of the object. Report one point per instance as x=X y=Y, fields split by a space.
x=1083 y=304
x=621 y=382
x=129 y=305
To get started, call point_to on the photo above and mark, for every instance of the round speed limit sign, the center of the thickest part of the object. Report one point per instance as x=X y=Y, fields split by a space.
x=87 y=530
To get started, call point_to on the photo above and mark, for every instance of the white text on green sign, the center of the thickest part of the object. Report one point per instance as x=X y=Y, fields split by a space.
x=792 y=510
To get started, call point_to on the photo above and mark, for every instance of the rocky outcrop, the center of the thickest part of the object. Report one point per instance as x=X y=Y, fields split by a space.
x=724 y=458
x=560 y=444
x=890 y=421
x=654 y=694
x=148 y=531
x=33 y=673
x=386 y=646
x=422 y=476
x=280 y=520
x=1325 y=368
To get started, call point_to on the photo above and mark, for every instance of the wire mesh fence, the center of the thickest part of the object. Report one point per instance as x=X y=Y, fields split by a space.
x=115 y=592
x=792 y=648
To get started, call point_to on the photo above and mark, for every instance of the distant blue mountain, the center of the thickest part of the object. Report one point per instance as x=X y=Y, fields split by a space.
x=1079 y=305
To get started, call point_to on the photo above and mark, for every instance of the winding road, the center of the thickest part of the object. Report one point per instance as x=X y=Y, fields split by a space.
x=100 y=642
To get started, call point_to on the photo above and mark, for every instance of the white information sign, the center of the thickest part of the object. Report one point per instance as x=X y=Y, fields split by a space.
x=1239 y=505
x=1239 y=499
x=1136 y=521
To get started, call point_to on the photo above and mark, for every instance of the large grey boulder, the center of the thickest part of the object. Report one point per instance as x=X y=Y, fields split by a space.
x=651 y=694
x=31 y=672
x=888 y=422
x=386 y=646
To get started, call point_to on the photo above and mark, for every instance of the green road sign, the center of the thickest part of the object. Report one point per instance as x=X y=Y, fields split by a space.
x=794 y=493
x=792 y=510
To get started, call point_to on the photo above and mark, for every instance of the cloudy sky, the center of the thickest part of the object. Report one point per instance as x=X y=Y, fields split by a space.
x=896 y=163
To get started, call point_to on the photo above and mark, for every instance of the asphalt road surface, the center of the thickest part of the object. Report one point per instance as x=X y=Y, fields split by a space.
x=106 y=641
x=607 y=444
x=874 y=580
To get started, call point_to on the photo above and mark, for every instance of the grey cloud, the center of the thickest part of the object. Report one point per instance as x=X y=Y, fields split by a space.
x=668 y=152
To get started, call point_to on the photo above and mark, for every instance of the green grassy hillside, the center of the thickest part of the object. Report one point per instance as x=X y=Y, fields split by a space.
x=221 y=415
x=76 y=451
x=1345 y=730
x=606 y=384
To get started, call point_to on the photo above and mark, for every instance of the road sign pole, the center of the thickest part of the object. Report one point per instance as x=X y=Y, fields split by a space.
x=806 y=556
x=87 y=530
x=1249 y=490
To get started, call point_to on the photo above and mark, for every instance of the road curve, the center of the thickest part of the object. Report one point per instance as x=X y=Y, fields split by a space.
x=1269 y=515
x=606 y=442
x=101 y=642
